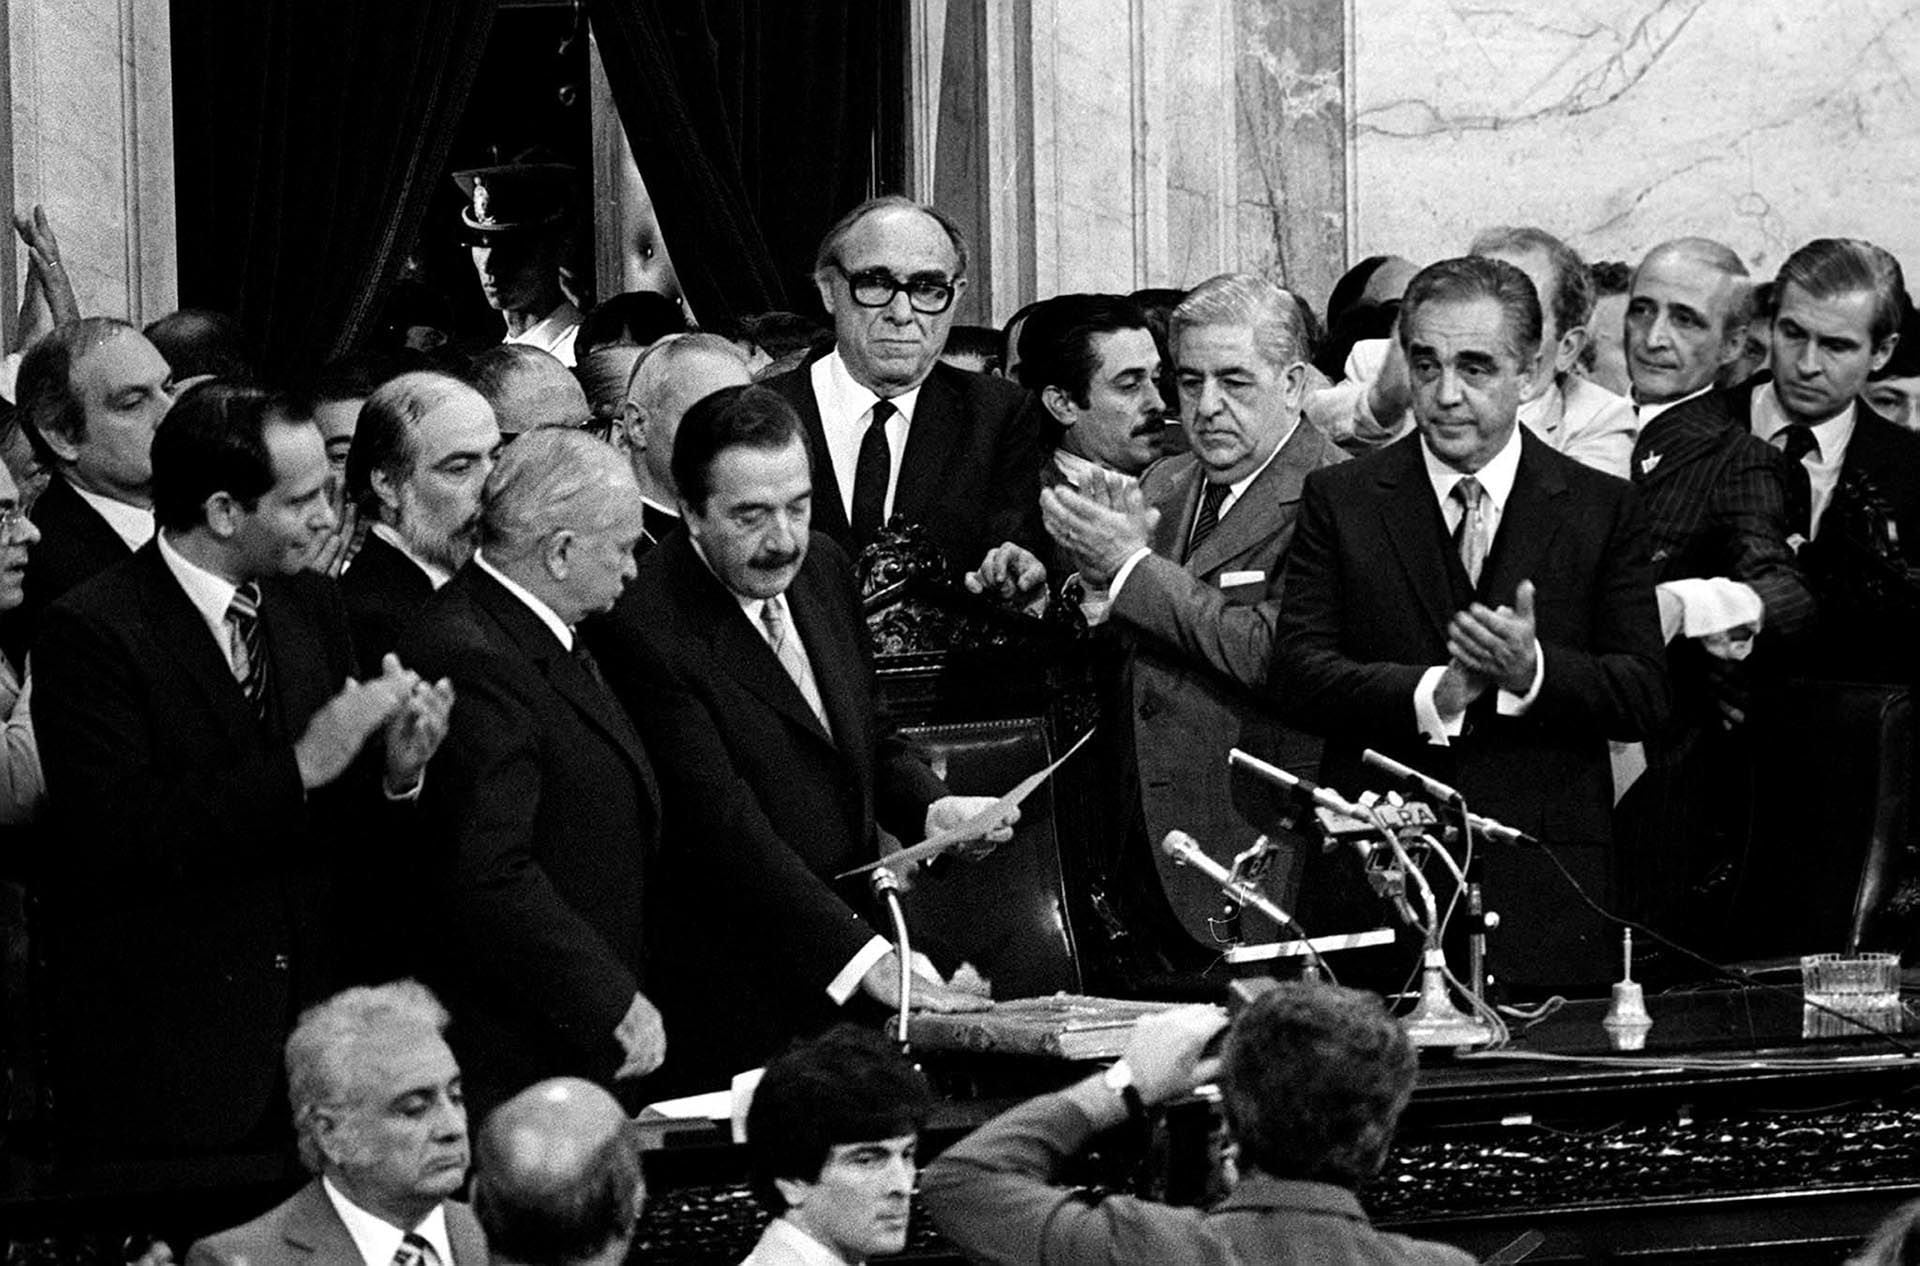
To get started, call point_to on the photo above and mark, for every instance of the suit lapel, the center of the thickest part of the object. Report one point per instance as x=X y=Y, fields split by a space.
x=829 y=507
x=187 y=640
x=1251 y=520
x=313 y=1226
x=1176 y=507
x=834 y=659
x=1417 y=532
x=63 y=509
x=1528 y=524
x=936 y=429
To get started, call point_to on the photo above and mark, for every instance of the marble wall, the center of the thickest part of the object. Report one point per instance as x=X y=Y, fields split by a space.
x=1618 y=123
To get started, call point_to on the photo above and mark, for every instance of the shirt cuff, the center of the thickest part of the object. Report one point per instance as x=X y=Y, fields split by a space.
x=1126 y=569
x=842 y=986
x=1426 y=712
x=1509 y=704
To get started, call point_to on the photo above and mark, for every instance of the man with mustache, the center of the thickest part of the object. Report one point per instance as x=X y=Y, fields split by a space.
x=422 y=451
x=742 y=656
x=1094 y=366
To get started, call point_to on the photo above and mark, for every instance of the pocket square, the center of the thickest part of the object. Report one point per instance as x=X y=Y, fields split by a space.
x=1231 y=578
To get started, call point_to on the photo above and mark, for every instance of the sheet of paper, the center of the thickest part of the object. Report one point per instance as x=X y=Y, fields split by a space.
x=974 y=827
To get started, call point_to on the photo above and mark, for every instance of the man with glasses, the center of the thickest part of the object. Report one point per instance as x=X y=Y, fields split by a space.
x=894 y=432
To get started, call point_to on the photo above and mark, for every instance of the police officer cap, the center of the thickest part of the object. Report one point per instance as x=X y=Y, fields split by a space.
x=514 y=196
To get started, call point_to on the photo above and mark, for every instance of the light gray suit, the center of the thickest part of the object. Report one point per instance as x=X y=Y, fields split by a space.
x=305 y=1230
x=1202 y=636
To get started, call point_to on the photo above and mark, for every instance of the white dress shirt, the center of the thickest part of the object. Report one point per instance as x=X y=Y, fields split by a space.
x=1496 y=480
x=1646 y=413
x=845 y=410
x=554 y=623
x=554 y=332
x=784 y=1244
x=378 y=1240
x=132 y=524
x=210 y=594
x=1770 y=423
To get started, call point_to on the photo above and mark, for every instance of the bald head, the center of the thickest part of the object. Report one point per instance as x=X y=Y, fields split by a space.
x=529 y=388
x=559 y=1175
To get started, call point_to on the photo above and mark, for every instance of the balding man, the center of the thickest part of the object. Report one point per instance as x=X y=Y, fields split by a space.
x=674 y=373
x=559 y=1181
x=528 y=388
x=542 y=810
x=422 y=450
x=382 y=1127
x=892 y=430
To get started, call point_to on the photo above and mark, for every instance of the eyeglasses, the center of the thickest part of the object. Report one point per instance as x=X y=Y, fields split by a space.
x=876 y=287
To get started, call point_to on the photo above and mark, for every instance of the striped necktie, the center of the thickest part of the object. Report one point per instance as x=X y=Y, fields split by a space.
x=246 y=642
x=792 y=656
x=1470 y=537
x=1207 y=517
x=415 y=1251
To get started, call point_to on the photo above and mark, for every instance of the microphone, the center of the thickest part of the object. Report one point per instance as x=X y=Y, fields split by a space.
x=1186 y=850
x=1493 y=829
x=1407 y=773
x=1325 y=797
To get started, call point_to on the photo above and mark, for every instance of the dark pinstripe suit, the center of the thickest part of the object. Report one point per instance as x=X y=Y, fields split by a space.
x=1719 y=500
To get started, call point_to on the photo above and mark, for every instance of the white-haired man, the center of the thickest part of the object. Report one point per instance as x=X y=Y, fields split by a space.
x=382 y=1126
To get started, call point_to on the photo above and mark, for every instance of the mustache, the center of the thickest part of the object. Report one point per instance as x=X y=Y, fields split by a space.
x=775 y=561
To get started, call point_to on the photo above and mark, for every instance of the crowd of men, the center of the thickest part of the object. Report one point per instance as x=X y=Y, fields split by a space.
x=542 y=676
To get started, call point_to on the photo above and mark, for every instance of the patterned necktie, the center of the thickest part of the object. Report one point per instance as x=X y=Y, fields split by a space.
x=1798 y=441
x=792 y=656
x=245 y=641
x=1470 y=537
x=870 y=474
x=415 y=1251
x=1207 y=517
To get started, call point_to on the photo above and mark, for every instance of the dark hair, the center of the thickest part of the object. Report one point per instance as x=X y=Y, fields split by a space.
x=1158 y=302
x=1829 y=267
x=1905 y=361
x=640 y=317
x=849 y=1085
x=384 y=433
x=1015 y=324
x=982 y=341
x=196 y=341
x=1056 y=347
x=829 y=253
x=1478 y=277
x=214 y=439
x=43 y=392
x=1610 y=277
x=1314 y=1079
x=353 y=377
x=571 y=1222
x=750 y=416
x=775 y=333
x=1572 y=297
x=1363 y=321
x=1352 y=286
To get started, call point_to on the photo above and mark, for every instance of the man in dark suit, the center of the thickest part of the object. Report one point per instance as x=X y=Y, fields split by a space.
x=742 y=656
x=1720 y=510
x=1838 y=306
x=90 y=394
x=1190 y=562
x=542 y=812
x=382 y=1127
x=893 y=431
x=198 y=721
x=667 y=379
x=1482 y=608
x=421 y=453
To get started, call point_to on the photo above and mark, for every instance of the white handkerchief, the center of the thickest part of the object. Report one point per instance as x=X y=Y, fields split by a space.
x=1230 y=578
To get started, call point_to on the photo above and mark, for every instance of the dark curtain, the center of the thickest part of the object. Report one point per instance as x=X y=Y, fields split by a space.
x=309 y=136
x=755 y=126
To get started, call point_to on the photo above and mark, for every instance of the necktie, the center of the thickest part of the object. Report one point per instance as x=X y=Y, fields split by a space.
x=1207 y=517
x=246 y=642
x=1797 y=441
x=1470 y=537
x=415 y=1251
x=585 y=659
x=870 y=474
x=792 y=656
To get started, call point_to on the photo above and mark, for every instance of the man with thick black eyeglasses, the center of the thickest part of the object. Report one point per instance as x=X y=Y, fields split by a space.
x=894 y=432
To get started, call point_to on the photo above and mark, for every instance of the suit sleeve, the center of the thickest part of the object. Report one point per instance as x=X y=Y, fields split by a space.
x=98 y=743
x=1015 y=515
x=1749 y=511
x=514 y=927
x=1197 y=620
x=1314 y=677
x=1615 y=686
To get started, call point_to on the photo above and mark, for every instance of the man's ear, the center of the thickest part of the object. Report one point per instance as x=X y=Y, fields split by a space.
x=221 y=513
x=1732 y=343
x=558 y=553
x=331 y=1136
x=633 y=425
x=384 y=488
x=823 y=281
x=793 y=1191
x=1567 y=353
x=1294 y=379
x=1058 y=405
x=1883 y=352
x=63 y=446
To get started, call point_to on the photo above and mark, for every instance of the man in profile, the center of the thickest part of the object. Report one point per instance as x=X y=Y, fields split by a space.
x=558 y=1179
x=893 y=431
x=528 y=387
x=422 y=451
x=832 y=1132
x=1313 y=1080
x=382 y=1126
x=517 y=221
x=666 y=381
x=1095 y=369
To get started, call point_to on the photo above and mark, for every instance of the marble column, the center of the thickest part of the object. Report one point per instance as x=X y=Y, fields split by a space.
x=89 y=101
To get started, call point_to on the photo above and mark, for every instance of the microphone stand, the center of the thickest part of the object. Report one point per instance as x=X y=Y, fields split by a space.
x=886 y=886
x=1181 y=848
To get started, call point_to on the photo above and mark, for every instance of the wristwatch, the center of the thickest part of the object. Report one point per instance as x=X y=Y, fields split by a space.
x=1119 y=1079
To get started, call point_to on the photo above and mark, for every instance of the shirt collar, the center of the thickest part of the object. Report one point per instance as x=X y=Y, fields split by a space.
x=211 y=594
x=1496 y=477
x=750 y=606
x=554 y=623
x=1646 y=413
x=436 y=575
x=845 y=401
x=798 y=1245
x=132 y=524
x=378 y=1240
x=659 y=507
x=1240 y=485
x=1770 y=418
